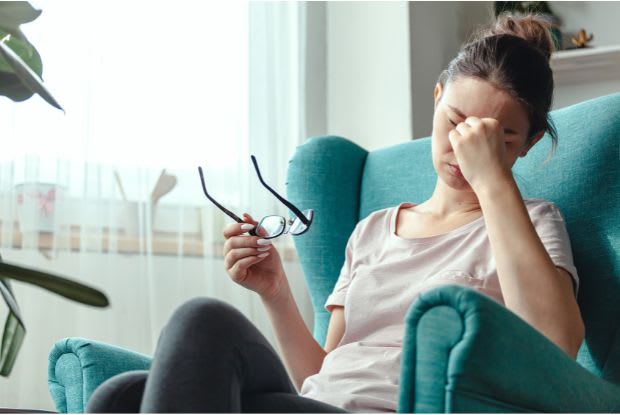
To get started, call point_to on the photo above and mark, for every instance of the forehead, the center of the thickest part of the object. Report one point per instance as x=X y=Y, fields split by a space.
x=478 y=98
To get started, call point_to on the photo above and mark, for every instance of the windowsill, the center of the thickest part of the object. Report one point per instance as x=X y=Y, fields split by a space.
x=163 y=243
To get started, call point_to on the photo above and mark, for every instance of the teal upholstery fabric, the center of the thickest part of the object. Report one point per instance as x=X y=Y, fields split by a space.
x=325 y=174
x=77 y=366
x=462 y=351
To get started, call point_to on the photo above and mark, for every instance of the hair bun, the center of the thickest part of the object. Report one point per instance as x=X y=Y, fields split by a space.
x=534 y=28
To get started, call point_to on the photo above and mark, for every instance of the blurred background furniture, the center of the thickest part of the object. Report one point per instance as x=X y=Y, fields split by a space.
x=484 y=358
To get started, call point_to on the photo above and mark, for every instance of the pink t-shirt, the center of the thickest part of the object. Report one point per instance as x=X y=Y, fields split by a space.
x=382 y=275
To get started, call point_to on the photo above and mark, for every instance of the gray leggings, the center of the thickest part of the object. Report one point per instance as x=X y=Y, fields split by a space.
x=209 y=358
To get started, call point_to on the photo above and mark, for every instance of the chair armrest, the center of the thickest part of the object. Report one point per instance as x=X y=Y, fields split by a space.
x=464 y=352
x=77 y=366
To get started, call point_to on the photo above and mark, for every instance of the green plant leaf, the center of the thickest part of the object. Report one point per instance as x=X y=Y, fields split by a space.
x=12 y=339
x=14 y=330
x=12 y=87
x=15 y=13
x=9 y=299
x=12 y=15
x=57 y=284
x=24 y=50
x=25 y=74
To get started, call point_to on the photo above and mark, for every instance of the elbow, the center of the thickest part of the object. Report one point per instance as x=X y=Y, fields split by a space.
x=574 y=339
x=581 y=335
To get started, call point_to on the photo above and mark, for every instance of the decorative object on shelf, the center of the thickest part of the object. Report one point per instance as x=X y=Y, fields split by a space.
x=20 y=78
x=538 y=7
x=582 y=40
x=164 y=185
x=41 y=198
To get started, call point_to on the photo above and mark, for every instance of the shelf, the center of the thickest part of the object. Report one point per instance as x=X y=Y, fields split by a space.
x=595 y=64
x=119 y=242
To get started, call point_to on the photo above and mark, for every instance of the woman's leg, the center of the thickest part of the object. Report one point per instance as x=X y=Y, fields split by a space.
x=209 y=358
x=280 y=402
x=119 y=394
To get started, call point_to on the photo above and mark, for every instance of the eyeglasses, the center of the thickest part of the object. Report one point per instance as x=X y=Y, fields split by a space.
x=270 y=226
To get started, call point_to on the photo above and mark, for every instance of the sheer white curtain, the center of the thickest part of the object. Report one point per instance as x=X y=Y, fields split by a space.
x=109 y=193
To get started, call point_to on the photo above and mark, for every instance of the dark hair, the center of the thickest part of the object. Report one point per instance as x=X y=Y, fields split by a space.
x=512 y=54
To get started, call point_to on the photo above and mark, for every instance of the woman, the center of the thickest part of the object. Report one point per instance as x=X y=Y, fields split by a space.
x=491 y=107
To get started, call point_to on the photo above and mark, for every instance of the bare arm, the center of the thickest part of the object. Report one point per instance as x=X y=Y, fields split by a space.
x=531 y=284
x=335 y=331
x=303 y=355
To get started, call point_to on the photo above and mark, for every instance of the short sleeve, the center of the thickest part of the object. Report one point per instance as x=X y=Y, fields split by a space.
x=551 y=229
x=338 y=295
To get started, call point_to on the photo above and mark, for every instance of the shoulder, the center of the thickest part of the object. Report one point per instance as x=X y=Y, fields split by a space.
x=540 y=207
x=374 y=221
x=377 y=216
x=543 y=211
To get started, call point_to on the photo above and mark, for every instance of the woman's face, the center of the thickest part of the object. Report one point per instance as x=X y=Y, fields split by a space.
x=471 y=96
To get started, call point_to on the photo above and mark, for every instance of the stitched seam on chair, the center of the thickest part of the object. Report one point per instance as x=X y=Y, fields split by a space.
x=483 y=398
x=459 y=299
x=55 y=381
x=449 y=351
x=456 y=306
x=460 y=314
x=82 y=380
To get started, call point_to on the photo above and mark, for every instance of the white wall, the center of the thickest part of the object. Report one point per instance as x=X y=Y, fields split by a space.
x=566 y=95
x=372 y=66
x=316 y=68
x=368 y=87
x=438 y=29
x=379 y=52
x=597 y=17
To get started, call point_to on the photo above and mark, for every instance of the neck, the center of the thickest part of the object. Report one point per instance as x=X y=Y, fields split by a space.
x=447 y=202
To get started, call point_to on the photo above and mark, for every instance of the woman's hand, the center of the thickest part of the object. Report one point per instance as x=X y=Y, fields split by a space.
x=479 y=147
x=265 y=275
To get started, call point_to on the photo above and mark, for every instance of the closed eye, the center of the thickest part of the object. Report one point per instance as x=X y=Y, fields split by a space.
x=507 y=131
x=454 y=124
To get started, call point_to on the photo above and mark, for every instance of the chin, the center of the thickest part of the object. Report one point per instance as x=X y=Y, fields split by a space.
x=456 y=182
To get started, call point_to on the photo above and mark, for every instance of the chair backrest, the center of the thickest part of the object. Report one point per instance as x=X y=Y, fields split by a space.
x=344 y=183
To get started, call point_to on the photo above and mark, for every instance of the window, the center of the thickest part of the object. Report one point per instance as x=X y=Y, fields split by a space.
x=145 y=86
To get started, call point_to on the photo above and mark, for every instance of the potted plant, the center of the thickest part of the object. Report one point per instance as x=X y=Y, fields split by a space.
x=20 y=79
x=539 y=7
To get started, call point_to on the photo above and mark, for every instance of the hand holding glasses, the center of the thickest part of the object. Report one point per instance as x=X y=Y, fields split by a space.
x=270 y=226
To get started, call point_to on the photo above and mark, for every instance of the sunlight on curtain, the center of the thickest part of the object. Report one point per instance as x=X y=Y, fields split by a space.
x=109 y=193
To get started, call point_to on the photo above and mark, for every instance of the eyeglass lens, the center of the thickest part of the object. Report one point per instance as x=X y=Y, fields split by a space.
x=272 y=226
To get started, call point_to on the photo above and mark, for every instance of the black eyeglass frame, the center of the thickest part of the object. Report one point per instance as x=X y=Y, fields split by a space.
x=306 y=221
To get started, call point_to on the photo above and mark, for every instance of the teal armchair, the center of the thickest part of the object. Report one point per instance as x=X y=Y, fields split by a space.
x=462 y=351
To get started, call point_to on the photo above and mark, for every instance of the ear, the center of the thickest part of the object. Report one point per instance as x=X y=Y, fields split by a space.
x=437 y=93
x=536 y=139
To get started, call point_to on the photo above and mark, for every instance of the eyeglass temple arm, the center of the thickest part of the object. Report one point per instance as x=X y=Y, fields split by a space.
x=204 y=189
x=283 y=200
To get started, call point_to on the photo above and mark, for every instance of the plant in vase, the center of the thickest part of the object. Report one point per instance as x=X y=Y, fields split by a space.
x=20 y=79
